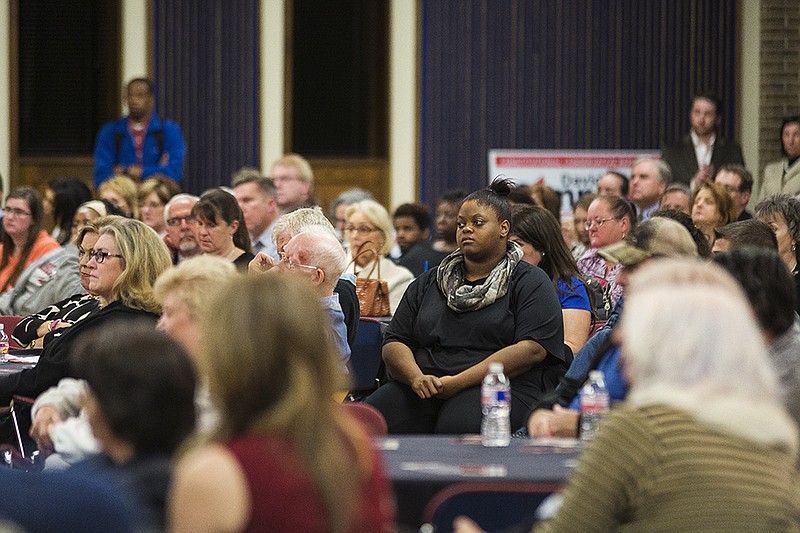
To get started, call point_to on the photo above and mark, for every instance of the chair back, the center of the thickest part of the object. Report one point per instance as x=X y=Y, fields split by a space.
x=495 y=506
x=370 y=418
x=365 y=357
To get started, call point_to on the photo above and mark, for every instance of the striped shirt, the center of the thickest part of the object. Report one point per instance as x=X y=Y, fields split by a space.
x=656 y=469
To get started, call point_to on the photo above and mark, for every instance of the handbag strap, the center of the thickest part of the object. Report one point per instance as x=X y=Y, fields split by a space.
x=367 y=251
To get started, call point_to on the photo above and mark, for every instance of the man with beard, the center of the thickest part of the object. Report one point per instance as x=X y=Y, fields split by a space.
x=180 y=237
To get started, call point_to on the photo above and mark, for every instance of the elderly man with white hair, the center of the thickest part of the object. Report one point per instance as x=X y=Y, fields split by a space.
x=291 y=225
x=180 y=238
x=317 y=256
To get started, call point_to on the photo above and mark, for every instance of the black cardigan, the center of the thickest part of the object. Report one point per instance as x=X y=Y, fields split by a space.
x=54 y=360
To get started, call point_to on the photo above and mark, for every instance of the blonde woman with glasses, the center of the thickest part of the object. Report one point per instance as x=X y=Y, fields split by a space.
x=369 y=233
x=123 y=266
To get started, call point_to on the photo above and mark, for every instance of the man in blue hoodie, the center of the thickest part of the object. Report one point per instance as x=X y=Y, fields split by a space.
x=139 y=144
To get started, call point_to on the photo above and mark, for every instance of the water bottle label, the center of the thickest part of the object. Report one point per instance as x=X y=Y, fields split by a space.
x=594 y=408
x=494 y=397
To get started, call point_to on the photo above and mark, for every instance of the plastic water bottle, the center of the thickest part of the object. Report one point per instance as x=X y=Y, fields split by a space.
x=3 y=344
x=496 y=406
x=594 y=404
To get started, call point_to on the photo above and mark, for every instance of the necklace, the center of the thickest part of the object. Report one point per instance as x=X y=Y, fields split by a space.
x=232 y=254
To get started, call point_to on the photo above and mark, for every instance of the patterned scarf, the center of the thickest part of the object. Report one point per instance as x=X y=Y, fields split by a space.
x=463 y=297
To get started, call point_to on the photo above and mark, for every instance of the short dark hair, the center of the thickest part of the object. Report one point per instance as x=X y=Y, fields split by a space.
x=418 y=212
x=700 y=240
x=494 y=197
x=143 y=381
x=745 y=177
x=265 y=185
x=751 y=232
x=244 y=174
x=767 y=283
x=68 y=195
x=786 y=121
x=677 y=187
x=713 y=98
x=623 y=180
x=145 y=81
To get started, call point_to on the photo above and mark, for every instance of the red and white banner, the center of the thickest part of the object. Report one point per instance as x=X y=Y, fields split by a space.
x=570 y=172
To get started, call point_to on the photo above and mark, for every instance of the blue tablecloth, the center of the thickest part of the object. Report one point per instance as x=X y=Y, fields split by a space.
x=420 y=466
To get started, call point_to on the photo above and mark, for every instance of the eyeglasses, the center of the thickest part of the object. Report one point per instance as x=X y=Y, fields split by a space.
x=100 y=256
x=282 y=179
x=363 y=230
x=16 y=212
x=176 y=221
x=597 y=222
x=291 y=265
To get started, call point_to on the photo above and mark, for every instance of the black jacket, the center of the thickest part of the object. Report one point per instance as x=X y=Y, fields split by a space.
x=54 y=360
x=682 y=160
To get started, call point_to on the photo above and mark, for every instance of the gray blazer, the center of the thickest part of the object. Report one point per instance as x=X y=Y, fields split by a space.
x=51 y=278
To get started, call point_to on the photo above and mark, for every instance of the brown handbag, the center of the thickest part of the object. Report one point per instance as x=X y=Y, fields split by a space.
x=373 y=294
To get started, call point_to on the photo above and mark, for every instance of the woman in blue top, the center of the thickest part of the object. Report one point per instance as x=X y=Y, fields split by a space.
x=539 y=234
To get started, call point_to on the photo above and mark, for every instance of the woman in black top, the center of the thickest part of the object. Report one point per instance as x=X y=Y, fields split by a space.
x=482 y=304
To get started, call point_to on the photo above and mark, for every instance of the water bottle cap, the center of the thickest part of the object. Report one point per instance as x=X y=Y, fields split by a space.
x=496 y=368
x=596 y=375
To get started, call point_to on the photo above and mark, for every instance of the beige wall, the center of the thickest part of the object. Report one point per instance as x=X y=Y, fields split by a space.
x=5 y=97
x=134 y=43
x=749 y=76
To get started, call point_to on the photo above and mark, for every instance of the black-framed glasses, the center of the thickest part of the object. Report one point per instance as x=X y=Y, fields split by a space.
x=597 y=222
x=176 y=221
x=100 y=256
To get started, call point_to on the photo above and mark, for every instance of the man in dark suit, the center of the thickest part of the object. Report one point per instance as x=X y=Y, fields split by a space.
x=696 y=157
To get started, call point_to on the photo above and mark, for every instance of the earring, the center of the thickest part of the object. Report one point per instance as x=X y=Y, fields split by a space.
x=794 y=246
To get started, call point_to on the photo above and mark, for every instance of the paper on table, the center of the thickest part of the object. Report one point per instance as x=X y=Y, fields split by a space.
x=466 y=470
x=387 y=445
x=16 y=359
x=555 y=442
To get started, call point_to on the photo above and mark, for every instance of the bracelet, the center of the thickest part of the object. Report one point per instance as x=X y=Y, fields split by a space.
x=54 y=324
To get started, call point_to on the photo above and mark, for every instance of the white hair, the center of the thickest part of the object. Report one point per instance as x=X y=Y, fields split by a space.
x=297 y=221
x=323 y=251
x=178 y=198
x=690 y=341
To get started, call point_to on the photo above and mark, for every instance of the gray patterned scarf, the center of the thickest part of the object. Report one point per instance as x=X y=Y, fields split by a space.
x=463 y=297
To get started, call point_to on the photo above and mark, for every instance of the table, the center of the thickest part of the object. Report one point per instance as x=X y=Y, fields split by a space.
x=14 y=367
x=419 y=466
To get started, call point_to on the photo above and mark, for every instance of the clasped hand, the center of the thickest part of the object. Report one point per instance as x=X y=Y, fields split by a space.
x=426 y=386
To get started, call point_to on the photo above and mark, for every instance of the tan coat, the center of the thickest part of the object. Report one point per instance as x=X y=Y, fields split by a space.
x=773 y=181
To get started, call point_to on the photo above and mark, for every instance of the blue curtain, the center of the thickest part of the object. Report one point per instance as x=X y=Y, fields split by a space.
x=206 y=75
x=551 y=74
